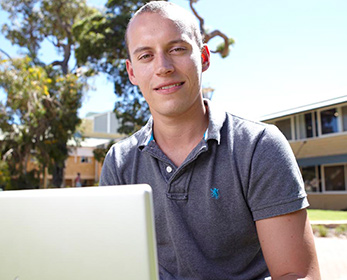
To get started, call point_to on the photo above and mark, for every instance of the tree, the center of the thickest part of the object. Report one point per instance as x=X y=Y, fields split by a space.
x=5 y=176
x=56 y=88
x=223 y=48
x=100 y=153
x=102 y=48
x=34 y=21
x=39 y=116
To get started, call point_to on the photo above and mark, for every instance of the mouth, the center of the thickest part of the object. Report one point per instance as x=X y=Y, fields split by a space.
x=166 y=87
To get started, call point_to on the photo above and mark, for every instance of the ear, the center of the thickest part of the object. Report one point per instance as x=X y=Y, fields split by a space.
x=205 y=58
x=130 y=71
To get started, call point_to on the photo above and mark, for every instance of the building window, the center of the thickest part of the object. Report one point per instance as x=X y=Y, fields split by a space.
x=334 y=178
x=305 y=126
x=329 y=121
x=85 y=159
x=310 y=177
x=285 y=127
x=344 y=118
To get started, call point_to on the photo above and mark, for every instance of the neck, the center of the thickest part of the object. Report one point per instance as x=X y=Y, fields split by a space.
x=178 y=136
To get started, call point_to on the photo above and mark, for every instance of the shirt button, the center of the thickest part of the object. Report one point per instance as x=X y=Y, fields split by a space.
x=168 y=169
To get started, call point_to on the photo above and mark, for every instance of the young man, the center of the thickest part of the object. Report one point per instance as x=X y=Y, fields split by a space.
x=228 y=195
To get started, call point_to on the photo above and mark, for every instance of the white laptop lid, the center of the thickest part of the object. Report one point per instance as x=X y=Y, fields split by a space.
x=78 y=234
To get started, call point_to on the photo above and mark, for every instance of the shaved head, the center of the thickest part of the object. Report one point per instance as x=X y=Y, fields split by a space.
x=181 y=17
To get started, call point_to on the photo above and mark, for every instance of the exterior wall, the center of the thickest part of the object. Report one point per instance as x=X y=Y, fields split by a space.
x=100 y=123
x=328 y=201
x=99 y=126
x=87 y=130
x=74 y=165
x=82 y=161
x=321 y=146
x=317 y=135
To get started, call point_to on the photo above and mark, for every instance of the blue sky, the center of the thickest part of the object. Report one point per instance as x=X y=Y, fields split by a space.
x=288 y=53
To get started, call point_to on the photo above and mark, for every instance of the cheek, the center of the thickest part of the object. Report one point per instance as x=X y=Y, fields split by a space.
x=195 y=70
x=196 y=65
x=142 y=75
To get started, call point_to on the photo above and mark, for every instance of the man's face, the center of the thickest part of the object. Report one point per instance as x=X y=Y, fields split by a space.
x=166 y=63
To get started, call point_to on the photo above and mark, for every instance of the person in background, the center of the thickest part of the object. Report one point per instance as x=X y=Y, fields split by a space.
x=78 y=181
x=228 y=195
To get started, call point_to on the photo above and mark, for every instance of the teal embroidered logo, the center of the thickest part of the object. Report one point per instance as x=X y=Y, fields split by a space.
x=215 y=193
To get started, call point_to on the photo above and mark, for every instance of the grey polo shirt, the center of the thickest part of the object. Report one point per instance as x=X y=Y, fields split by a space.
x=205 y=209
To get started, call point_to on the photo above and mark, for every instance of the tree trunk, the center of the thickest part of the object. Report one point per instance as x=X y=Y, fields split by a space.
x=45 y=177
x=58 y=174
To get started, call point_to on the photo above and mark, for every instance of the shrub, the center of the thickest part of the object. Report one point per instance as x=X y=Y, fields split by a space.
x=320 y=230
x=341 y=229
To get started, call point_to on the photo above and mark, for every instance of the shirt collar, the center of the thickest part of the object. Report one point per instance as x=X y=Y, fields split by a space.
x=146 y=134
x=216 y=119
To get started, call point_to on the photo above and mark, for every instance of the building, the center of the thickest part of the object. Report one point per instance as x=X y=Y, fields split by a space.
x=317 y=134
x=96 y=131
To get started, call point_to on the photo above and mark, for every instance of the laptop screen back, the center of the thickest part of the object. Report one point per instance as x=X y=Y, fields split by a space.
x=78 y=233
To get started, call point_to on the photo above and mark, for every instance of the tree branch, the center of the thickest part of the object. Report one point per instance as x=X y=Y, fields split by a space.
x=56 y=63
x=208 y=36
x=5 y=53
x=201 y=20
x=224 y=51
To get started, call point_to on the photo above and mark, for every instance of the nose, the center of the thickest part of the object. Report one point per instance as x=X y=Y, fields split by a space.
x=164 y=65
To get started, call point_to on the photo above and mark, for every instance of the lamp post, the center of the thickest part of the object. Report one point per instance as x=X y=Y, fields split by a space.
x=207 y=92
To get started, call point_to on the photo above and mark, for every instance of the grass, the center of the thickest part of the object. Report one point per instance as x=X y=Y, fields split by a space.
x=331 y=215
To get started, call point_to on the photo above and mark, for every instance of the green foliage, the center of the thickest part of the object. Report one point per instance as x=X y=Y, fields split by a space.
x=133 y=113
x=33 y=21
x=39 y=117
x=341 y=229
x=221 y=46
x=100 y=37
x=30 y=180
x=101 y=47
x=320 y=230
x=40 y=112
x=100 y=153
x=5 y=176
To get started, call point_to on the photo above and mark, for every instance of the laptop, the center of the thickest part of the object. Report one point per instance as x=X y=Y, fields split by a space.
x=94 y=233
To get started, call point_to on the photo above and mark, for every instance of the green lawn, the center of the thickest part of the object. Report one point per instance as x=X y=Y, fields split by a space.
x=316 y=215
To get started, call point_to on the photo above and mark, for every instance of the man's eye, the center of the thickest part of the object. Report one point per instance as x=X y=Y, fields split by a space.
x=178 y=49
x=144 y=57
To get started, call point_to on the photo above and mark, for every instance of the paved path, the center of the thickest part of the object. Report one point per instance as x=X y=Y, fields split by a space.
x=332 y=257
x=327 y=222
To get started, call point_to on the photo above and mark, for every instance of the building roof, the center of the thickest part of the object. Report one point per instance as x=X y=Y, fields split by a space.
x=309 y=107
x=89 y=142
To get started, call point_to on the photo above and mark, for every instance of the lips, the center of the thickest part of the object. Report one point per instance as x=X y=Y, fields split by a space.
x=169 y=86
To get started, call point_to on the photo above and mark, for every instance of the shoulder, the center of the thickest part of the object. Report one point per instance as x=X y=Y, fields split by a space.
x=241 y=129
x=234 y=128
x=120 y=158
x=129 y=144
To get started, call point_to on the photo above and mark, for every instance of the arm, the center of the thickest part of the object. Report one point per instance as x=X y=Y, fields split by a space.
x=288 y=246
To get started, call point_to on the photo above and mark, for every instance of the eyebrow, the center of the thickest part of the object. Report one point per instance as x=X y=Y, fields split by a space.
x=141 y=49
x=145 y=48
